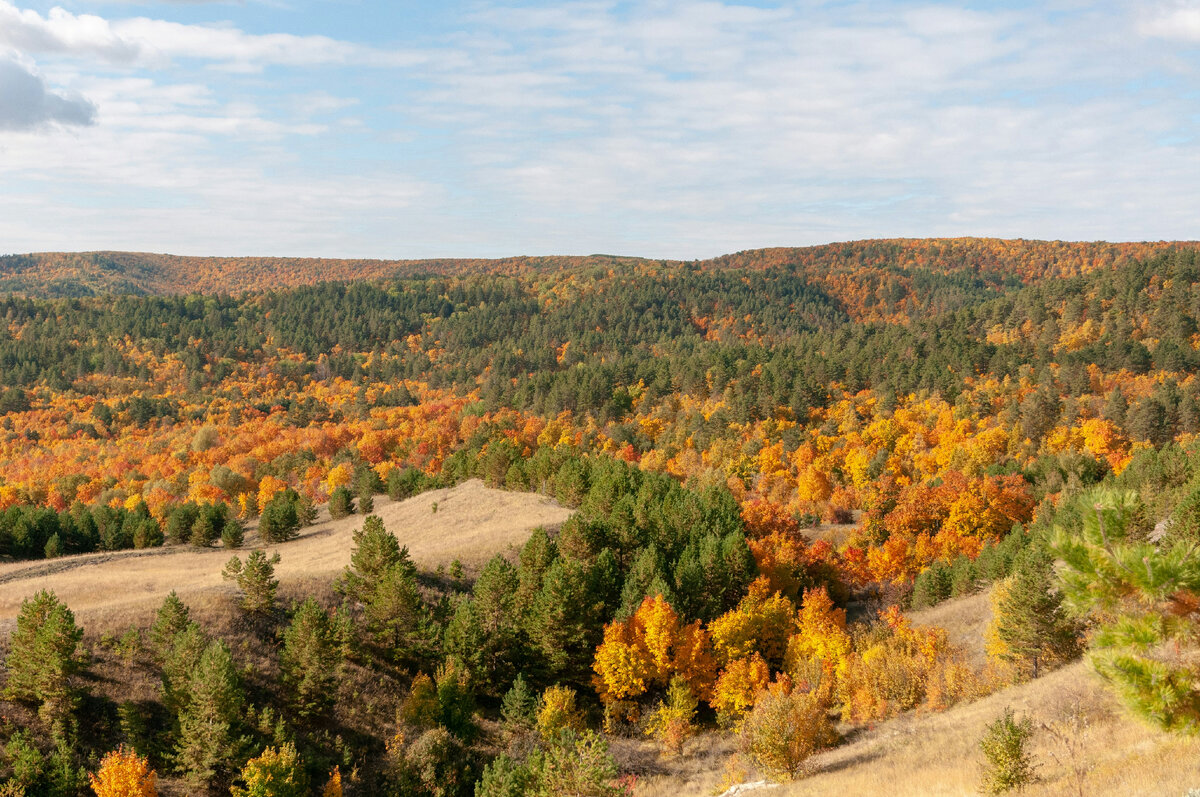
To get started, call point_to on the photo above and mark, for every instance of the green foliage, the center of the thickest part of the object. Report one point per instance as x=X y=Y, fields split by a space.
x=1008 y=763
x=456 y=701
x=1141 y=595
x=44 y=656
x=518 y=709
x=341 y=503
x=256 y=579
x=208 y=725
x=309 y=660
x=438 y=764
x=282 y=517
x=375 y=551
x=275 y=773
x=1030 y=619
x=232 y=533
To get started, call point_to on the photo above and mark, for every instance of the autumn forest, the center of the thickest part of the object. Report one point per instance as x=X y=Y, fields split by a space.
x=773 y=460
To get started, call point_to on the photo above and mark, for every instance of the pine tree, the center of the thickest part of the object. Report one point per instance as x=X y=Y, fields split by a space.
x=208 y=725
x=1144 y=596
x=178 y=663
x=376 y=550
x=1030 y=621
x=256 y=579
x=341 y=503
x=309 y=659
x=518 y=709
x=173 y=617
x=43 y=657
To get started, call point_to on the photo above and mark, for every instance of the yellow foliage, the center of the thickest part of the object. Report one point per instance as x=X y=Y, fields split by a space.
x=558 y=712
x=333 y=787
x=761 y=624
x=649 y=648
x=124 y=774
x=738 y=686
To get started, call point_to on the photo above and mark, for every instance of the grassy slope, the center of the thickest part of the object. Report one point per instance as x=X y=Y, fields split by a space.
x=472 y=522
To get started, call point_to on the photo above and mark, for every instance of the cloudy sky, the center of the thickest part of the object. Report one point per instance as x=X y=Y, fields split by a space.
x=668 y=128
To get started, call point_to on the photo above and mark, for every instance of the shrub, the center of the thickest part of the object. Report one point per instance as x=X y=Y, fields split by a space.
x=671 y=723
x=1008 y=763
x=785 y=728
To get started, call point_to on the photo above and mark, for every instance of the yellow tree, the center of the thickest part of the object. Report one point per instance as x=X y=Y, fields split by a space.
x=124 y=773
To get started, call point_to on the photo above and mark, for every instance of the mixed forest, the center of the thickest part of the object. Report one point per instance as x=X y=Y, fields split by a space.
x=774 y=457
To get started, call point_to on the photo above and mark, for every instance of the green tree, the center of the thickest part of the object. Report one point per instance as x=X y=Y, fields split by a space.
x=341 y=503
x=44 y=656
x=1142 y=594
x=172 y=618
x=309 y=659
x=282 y=517
x=256 y=579
x=375 y=551
x=208 y=726
x=1030 y=619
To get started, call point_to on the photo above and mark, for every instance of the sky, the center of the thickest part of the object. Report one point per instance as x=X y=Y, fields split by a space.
x=667 y=128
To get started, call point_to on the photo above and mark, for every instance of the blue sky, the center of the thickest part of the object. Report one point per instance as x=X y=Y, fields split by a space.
x=667 y=129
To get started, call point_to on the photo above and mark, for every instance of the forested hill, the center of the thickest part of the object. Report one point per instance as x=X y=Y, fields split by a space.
x=861 y=273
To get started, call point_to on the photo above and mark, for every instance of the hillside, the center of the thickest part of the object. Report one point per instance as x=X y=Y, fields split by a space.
x=471 y=523
x=860 y=273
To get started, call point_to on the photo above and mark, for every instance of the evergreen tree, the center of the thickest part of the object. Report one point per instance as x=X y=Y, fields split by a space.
x=341 y=503
x=309 y=659
x=172 y=618
x=1142 y=595
x=256 y=579
x=208 y=726
x=178 y=663
x=1030 y=620
x=43 y=657
x=375 y=551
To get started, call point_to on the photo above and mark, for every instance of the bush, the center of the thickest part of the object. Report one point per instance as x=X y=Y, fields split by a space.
x=784 y=729
x=671 y=723
x=1008 y=763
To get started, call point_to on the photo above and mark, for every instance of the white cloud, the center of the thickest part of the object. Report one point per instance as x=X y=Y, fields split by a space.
x=1179 y=21
x=152 y=42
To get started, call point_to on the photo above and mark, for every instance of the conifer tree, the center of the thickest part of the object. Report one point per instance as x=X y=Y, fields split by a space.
x=208 y=725
x=173 y=617
x=341 y=503
x=1030 y=621
x=1144 y=595
x=43 y=656
x=309 y=659
x=256 y=579
x=375 y=551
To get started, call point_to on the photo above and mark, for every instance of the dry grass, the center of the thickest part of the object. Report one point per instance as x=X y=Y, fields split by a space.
x=922 y=755
x=113 y=590
x=938 y=753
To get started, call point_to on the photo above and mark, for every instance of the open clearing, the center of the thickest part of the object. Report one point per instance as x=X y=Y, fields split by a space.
x=472 y=522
